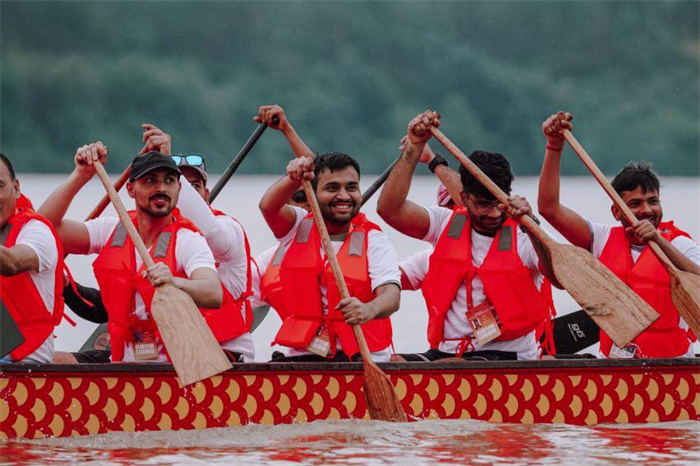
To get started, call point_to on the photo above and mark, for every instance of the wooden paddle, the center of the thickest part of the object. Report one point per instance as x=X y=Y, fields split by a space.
x=685 y=286
x=192 y=348
x=613 y=305
x=382 y=402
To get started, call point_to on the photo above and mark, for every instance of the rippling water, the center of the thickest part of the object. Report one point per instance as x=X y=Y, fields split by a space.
x=373 y=442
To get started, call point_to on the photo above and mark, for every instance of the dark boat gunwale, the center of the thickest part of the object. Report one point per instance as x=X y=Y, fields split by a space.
x=356 y=367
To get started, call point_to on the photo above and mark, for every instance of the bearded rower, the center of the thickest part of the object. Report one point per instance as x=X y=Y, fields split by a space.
x=315 y=320
x=623 y=248
x=182 y=257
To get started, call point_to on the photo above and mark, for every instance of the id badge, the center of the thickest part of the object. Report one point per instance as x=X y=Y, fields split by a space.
x=483 y=323
x=627 y=352
x=321 y=343
x=145 y=344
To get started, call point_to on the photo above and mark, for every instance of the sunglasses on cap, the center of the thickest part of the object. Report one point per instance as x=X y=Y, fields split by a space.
x=195 y=160
x=299 y=197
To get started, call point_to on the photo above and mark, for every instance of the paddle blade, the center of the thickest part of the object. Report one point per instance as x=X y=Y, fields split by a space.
x=618 y=310
x=382 y=401
x=193 y=350
x=685 y=292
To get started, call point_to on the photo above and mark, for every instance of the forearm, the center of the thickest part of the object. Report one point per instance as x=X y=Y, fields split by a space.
x=549 y=184
x=298 y=146
x=56 y=205
x=395 y=190
x=386 y=303
x=677 y=258
x=17 y=259
x=205 y=292
x=450 y=179
x=95 y=313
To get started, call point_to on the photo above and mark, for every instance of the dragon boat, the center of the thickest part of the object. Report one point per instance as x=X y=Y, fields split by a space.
x=74 y=400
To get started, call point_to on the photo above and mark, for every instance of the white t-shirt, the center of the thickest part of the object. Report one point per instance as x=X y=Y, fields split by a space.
x=226 y=239
x=262 y=260
x=456 y=324
x=601 y=233
x=37 y=235
x=382 y=262
x=416 y=267
x=191 y=253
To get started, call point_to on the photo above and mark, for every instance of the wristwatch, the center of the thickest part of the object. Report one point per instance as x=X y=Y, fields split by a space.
x=438 y=160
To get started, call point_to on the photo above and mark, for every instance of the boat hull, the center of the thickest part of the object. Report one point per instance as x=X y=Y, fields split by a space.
x=62 y=401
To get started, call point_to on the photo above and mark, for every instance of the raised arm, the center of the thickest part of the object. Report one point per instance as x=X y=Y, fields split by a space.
x=268 y=113
x=279 y=216
x=74 y=235
x=406 y=216
x=448 y=177
x=564 y=220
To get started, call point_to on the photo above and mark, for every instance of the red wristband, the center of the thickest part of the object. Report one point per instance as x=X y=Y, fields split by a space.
x=555 y=149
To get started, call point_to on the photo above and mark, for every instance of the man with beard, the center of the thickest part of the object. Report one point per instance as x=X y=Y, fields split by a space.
x=316 y=321
x=483 y=288
x=182 y=257
x=31 y=267
x=623 y=249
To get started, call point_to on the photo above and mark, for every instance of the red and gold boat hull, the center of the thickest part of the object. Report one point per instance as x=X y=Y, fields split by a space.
x=62 y=401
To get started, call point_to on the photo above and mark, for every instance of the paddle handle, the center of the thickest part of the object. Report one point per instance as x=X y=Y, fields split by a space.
x=525 y=220
x=335 y=265
x=379 y=181
x=617 y=200
x=123 y=215
x=239 y=159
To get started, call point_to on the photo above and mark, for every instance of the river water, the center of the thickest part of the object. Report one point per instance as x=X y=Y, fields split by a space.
x=371 y=442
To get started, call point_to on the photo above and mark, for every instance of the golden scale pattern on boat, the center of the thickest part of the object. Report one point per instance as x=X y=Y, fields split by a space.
x=60 y=405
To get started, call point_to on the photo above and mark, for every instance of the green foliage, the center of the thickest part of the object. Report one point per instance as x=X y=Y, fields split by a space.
x=350 y=75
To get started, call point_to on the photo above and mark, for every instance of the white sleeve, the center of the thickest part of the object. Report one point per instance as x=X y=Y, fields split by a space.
x=688 y=248
x=439 y=218
x=300 y=213
x=416 y=267
x=37 y=236
x=599 y=236
x=192 y=252
x=221 y=236
x=100 y=230
x=382 y=260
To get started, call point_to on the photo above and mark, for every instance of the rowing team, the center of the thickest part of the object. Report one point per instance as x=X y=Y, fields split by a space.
x=487 y=293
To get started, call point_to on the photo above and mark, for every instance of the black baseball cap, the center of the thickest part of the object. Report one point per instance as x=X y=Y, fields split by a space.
x=143 y=164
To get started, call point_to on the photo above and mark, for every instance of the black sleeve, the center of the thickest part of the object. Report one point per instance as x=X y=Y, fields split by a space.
x=95 y=313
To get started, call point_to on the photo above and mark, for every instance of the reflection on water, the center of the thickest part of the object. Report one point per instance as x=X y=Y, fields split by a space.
x=372 y=442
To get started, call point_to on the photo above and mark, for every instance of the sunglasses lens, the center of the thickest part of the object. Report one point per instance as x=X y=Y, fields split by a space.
x=177 y=159
x=194 y=159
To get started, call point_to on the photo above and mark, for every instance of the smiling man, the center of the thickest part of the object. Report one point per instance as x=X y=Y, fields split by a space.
x=316 y=322
x=182 y=257
x=623 y=248
x=483 y=288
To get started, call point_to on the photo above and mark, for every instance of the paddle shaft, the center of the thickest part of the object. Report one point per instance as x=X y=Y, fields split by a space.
x=104 y=202
x=237 y=160
x=333 y=261
x=123 y=215
x=603 y=181
x=379 y=181
x=527 y=221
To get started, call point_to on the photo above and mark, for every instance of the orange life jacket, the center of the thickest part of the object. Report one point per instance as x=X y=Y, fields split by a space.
x=508 y=284
x=648 y=278
x=19 y=295
x=301 y=273
x=116 y=274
